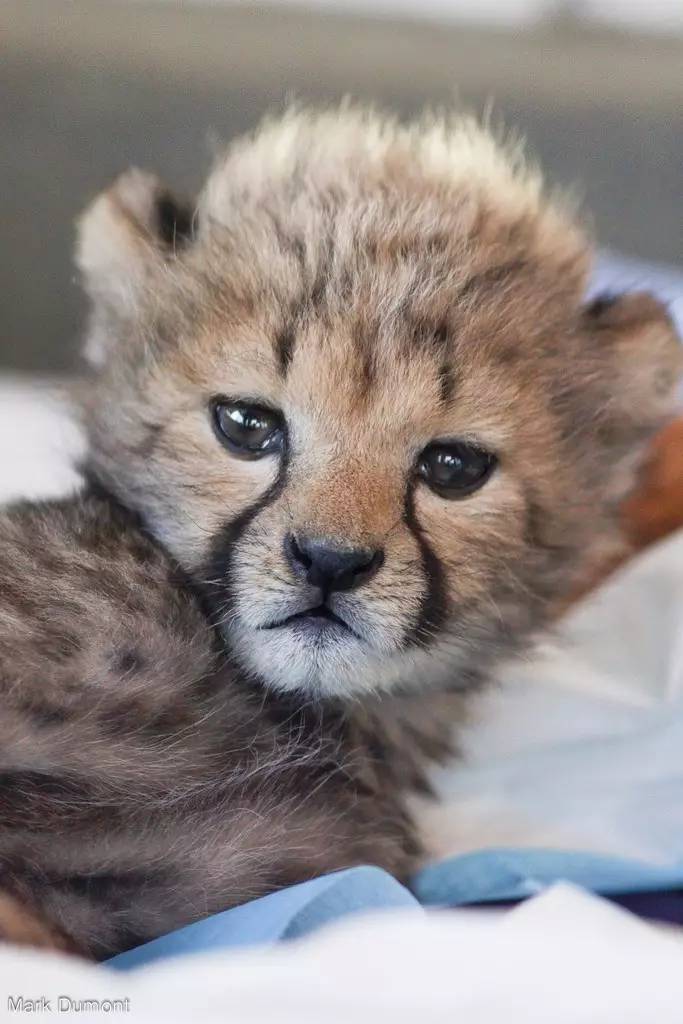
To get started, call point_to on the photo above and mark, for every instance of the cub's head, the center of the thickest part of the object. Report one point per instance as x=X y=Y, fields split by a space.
x=358 y=394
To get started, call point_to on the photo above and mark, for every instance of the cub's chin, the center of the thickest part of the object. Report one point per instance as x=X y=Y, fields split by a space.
x=318 y=658
x=314 y=655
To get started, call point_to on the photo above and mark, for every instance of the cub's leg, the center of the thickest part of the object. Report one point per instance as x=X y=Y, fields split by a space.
x=21 y=925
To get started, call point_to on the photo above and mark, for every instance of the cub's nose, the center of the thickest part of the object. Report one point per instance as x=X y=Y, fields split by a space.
x=330 y=566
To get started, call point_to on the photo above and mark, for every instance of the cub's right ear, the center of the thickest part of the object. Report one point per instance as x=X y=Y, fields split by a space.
x=124 y=238
x=639 y=364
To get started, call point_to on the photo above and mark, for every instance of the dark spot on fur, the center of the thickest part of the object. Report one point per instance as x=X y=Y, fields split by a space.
x=39 y=801
x=368 y=369
x=43 y=715
x=600 y=304
x=506 y=354
x=424 y=334
x=664 y=380
x=106 y=887
x=536 y=523
x=284 y=347
x=364 y=339
x=174 y=220
x=298 y=250
x=491 y=277
x=322 y=273
x=136 y=718
x=377 y=749
x=446 y=384
x=59 y=647
x=319 y=288
x=290 y=244
x=16 y=598
x=536 y=518
x=123 y=719
x=167 y=722
x=153 y=433
x=440 y=335
x=128 y=661
x=345 y=285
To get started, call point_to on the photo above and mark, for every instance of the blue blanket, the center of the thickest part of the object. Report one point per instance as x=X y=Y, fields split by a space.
x=491 y=875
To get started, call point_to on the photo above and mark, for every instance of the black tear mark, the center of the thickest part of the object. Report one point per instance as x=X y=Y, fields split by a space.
x=219 y=600
x=434 y=604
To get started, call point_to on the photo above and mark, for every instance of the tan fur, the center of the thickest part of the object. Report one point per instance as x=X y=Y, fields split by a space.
x=22 y=926
x=386 y=259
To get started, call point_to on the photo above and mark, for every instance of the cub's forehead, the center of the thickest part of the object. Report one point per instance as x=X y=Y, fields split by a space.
x=357 y=199
x=363 y=337
x=366 y=297
x=359 y=261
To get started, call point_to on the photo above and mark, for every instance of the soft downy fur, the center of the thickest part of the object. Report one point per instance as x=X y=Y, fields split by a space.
x=142 y=784
x=381 y=288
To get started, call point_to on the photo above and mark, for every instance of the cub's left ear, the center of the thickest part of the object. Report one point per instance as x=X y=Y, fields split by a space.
x=640 y=358
x=124 y=237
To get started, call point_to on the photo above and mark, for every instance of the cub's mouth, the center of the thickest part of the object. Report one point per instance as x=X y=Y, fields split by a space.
x=318 y=621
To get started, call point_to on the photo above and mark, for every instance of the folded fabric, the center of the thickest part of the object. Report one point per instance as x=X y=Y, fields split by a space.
x=507 y=875
x=485 y=877
x=286 y=914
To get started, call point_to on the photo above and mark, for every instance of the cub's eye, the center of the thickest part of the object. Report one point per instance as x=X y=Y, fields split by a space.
x=454 y=469
x=248 y=431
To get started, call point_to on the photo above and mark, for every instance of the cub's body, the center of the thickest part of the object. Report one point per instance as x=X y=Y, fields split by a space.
x=142 y=784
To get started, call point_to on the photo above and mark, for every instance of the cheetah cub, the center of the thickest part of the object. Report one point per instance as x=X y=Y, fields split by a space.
x=355 y=436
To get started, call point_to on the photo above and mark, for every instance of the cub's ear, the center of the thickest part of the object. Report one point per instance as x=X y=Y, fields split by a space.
x=641 y=360
x=123 y=239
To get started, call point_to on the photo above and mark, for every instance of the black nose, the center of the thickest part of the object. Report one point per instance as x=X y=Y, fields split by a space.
x=331 y=566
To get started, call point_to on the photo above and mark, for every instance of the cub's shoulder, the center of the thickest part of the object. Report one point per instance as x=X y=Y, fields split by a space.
x=88 y=602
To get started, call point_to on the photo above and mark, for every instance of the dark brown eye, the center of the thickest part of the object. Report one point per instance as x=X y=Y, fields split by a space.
x=454 y=469
x=247 y=430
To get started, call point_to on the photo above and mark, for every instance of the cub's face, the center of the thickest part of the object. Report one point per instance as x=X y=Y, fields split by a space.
x=379 y=431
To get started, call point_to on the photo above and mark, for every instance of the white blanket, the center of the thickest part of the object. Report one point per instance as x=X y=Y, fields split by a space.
x=562 y=958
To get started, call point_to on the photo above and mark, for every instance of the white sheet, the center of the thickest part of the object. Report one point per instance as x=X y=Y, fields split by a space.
x=580 y=746
x=40 y=441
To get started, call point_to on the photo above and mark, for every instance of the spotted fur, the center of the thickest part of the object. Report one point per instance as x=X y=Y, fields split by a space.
x=142 y=784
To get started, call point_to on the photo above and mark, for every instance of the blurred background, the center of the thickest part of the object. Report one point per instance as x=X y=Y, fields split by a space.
x=89 y=87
